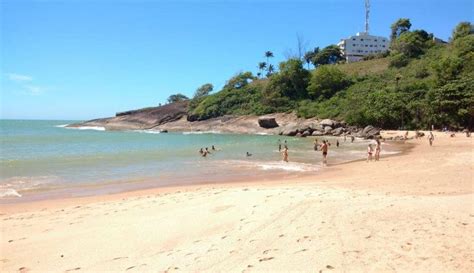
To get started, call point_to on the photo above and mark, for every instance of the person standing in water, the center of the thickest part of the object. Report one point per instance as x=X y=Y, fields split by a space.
x=324 y=149
x=369 y=152
x=316 y=144
x=285 y=154
x=378 y=148
x=279 y=145
x=352 y=138
x=286 y=145
x=337 y=143
x=213 y=148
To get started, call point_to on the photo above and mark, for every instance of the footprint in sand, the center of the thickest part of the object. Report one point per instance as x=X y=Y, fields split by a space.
x=23 y=269
x=266 y=259
x=73 y=269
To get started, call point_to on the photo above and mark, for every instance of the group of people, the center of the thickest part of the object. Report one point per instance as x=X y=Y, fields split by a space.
x=375 y=152
x=205 y=151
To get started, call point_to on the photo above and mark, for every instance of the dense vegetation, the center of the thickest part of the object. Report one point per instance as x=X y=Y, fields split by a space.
x=417 y=84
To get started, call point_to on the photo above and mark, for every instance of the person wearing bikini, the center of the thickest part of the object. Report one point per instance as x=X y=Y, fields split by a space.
x=378 y=148
x=369 y=153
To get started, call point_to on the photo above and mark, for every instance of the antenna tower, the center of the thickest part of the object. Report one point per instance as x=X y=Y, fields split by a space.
x=367 y=11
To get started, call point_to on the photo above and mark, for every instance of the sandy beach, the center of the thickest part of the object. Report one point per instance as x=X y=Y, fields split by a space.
x=408 y=213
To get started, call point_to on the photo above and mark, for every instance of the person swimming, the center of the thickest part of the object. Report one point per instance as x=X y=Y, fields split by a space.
x=207 y=150
x=249 y=154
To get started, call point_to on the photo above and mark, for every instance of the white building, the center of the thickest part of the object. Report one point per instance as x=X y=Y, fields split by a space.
x=362 y=44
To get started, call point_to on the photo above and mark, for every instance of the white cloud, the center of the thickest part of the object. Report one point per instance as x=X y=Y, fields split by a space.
x=19 y=77
x=33 y=89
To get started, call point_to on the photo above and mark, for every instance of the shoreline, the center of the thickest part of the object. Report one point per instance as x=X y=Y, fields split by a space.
x=145 y=185
x=407 y=213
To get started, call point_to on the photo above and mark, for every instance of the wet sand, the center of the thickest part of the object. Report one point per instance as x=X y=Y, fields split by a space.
x=408 y=213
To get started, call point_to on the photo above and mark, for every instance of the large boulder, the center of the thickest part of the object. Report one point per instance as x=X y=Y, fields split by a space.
x=370 y=132
x=306 y=133
x=316 y=127
x=290 y=130
x=328 y=122
x=267 y=122
x=327 y=130
x=317 y=133
x=337 y=131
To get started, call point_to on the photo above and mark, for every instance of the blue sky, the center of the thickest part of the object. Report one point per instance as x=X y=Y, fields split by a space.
x=86 y=59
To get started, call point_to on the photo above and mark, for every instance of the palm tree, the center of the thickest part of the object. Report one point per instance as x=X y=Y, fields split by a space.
x=268 y=55
x=270 y=70
x=262 y=66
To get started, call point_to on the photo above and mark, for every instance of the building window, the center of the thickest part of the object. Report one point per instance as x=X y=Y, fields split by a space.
x=353 y=44
x=366 y=46
x=370 y=45
x=375 y=40
x=383 y=40
x=383 y=46
x=361 y=39
x=353 y=39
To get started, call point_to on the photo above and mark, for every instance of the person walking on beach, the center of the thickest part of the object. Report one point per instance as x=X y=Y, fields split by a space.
x=279 y=145
x=344 y=137
x=352 y=139
x=324 y=149
x=431 y=138
x=369 y=152
x=337 y=143
x=315 y=144
x=285 y=154
x=378 y=148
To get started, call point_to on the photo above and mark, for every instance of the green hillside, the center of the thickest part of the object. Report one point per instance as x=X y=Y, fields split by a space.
x=418 y=84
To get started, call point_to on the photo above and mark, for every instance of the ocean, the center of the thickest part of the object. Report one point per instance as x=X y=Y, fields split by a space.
x=44 y=159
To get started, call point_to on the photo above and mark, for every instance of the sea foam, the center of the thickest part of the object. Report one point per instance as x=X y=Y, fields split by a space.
x=96 y=128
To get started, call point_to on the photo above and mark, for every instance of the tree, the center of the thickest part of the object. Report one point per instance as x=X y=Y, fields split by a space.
x=268 y=55
x=177 y=98
x=270 y=70
x=203 y=91
x=326 y=81
x=463 y=29
x=262 y=66
x=240 y=80
x=400 y=26
x=412 y=44
x=328 y=55
x=290 y=82
x=308 y=56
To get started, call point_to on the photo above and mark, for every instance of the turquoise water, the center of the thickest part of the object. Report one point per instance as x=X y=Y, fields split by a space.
x=44 y=156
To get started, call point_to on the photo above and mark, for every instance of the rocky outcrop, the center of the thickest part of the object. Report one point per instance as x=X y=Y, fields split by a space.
x=369 y=132
x=267 y=122
x=146 y=118
x=173 y=118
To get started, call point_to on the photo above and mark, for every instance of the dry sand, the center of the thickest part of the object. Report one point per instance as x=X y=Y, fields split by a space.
x=409 y=213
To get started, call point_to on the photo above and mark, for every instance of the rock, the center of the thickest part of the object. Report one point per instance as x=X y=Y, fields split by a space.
x=316 y=127
x=164 y=131
x=290 y=130
x=369 y=132
x=327 y=130
x=267 y=122
x=306 y=133
x=337 y=131
x=317 y=133
x=327 y=122
x=299 y=135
